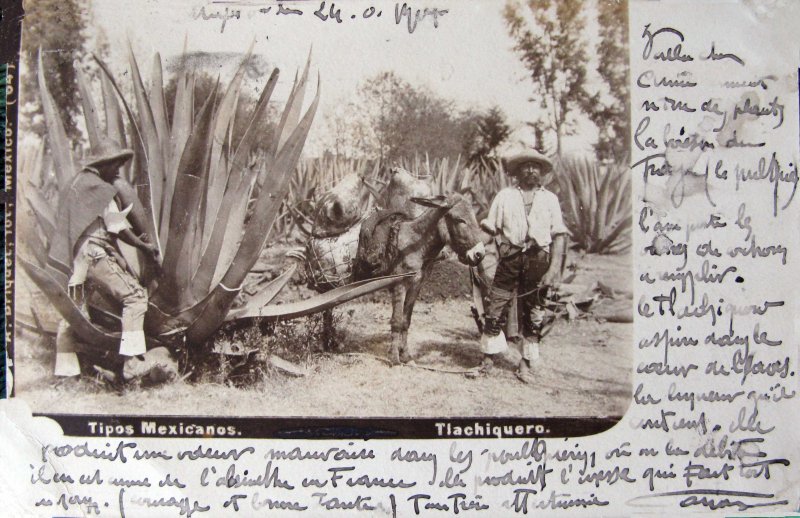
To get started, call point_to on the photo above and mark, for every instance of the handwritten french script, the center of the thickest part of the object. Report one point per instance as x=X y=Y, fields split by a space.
x=400 y=14
x=716 y=156
x=112 y=479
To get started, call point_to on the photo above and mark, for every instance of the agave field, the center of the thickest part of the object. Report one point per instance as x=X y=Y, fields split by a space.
x=210 y=204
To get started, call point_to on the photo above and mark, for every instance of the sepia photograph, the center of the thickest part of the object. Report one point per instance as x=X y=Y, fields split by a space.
x=314 y=210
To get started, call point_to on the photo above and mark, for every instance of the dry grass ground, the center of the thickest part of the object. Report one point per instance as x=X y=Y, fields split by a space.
x=584 y=370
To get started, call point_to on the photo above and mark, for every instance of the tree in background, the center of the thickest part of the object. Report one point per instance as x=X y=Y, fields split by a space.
x=349 y=133
x=58 y=27
x=538 y=137
x=553 y=52
x=489 y=131
x=412 y=121
x=391 y=120
x=610 y=113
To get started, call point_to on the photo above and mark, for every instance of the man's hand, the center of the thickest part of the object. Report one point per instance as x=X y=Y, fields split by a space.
x=152 y=250
x=148 y=247
x=558 y=250
x=142 y=242
x=552 y=277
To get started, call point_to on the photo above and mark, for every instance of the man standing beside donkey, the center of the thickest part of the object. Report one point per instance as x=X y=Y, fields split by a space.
x=91 y=216
x=530 y=234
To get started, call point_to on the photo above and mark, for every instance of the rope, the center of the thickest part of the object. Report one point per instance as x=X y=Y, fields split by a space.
x=414 y=365
x=534 y=290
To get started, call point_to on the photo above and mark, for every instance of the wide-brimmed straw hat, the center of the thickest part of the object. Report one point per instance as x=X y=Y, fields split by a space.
x=108 y=153
x=512 y=164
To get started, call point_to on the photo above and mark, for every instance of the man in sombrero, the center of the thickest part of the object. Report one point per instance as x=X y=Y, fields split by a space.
x=90 y=220
x=530 y=234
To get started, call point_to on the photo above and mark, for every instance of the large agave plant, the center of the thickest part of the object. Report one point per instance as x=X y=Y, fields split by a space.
x=596 y=204
x=209 y=205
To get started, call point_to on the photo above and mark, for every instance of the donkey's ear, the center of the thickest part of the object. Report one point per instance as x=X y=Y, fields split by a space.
x=439 y=202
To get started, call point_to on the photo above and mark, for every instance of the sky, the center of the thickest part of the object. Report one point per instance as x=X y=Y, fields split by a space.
x=468 y=58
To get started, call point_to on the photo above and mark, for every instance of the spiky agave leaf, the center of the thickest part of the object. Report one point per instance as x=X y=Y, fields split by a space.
x=37 y=246
x=162 y=137
x=182 y=120
x=227 y=232
x=204 y=317
x=455 y=175
x=173 y=292
x=57 y=135
x=89 y=109
x=466 y=179
x=265 y=296
x=291 y=114
x=30 y=165
x=604 y=200
x=43 y=211
x=322 y=301
x=618 y=211
x=219 y=169
x=55 y=293
x=38 y=222
x=115 y=127
x=158 y=103
x=152 y=145
x=620 y=200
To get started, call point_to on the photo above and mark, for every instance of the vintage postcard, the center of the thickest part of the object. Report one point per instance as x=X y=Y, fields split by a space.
x=491 y=258
x=268 y=179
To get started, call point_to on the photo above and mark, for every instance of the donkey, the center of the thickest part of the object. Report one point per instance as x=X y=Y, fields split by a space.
x=393 y=242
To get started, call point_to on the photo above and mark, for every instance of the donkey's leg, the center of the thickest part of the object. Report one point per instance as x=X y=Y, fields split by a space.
x=398 y=324
x=412 y=293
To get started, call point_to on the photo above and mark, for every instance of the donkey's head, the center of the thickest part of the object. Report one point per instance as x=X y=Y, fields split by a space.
x=460 y=229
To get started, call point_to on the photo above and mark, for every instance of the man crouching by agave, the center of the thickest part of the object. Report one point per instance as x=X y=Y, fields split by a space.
x=530 y=234
x=84 y=247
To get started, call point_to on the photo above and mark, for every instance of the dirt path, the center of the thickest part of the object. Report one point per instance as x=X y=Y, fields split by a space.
x=584 y=370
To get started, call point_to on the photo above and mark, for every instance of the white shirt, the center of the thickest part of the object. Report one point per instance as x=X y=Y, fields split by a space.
x=509 y=222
